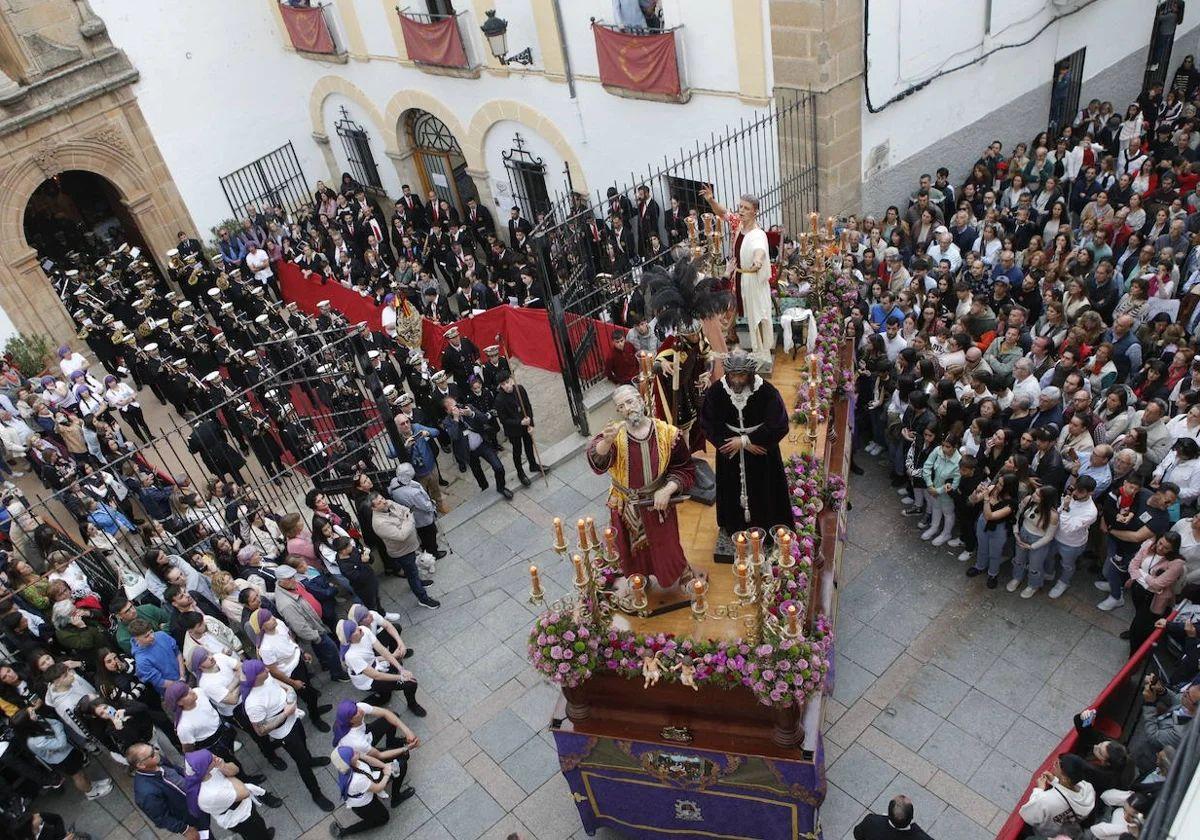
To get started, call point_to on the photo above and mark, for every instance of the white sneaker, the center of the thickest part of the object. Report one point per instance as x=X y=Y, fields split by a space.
x=1028 y=592
x=1110 y=603
x=1058 y=589
x=928 y=533
x=964 y=556
x=392 y=616
x=955 y=543
x=1103 y=586
x=902 y=491
x=237 y=745
x=941 y=539
x=907 y=500
x=101 y=788
x=1012 y=585
x=874 y=448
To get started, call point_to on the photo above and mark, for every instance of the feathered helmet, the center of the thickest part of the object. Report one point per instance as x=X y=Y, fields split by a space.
x=739 y=361
x=681 y=299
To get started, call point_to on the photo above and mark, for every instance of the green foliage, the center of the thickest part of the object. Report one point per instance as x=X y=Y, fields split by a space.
x=30 y=352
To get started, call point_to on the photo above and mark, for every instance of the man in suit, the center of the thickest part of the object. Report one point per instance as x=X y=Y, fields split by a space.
x=517 y=222
x=189 y=246
x=515 y=412
x=467 y=431
x=479 y=221
x=675 y=220
x=435 y=307
x=647 y=216
x=621 y=238
x=897 y=825
x=414 y=210
x=460 y=357
x=619 y=205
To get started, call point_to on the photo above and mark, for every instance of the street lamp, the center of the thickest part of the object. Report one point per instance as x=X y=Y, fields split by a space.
x=496 y=31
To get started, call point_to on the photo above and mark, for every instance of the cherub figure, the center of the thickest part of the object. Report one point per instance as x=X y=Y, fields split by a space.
x=651 y=670
x=687 y=673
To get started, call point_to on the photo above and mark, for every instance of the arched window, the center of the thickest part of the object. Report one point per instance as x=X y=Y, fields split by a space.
x=439 y=158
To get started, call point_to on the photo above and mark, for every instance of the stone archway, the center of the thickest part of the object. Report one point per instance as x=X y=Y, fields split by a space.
x=25 y=293
x=502 y=109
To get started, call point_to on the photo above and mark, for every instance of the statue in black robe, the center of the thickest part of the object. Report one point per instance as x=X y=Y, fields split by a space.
x=744 y=417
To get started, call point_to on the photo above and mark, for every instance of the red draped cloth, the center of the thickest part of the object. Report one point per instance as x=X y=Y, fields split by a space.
x=643 y=62
x=647 y=540
x=307 y=29
x=437 y=43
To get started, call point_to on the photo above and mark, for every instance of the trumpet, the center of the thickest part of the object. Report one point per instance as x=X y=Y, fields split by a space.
x=83 y=333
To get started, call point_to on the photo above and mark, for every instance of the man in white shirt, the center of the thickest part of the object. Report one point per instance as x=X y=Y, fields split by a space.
x=893 y=342
x=944 y=249
x=1024 y=382
x=259 y=263
x=1075 y=518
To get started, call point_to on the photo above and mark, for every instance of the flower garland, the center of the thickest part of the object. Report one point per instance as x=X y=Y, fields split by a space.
x=812 y=491
x=831 y=381
x=562 y=648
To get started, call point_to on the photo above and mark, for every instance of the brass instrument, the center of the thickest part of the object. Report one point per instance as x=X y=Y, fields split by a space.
x=144 y=329
x=194 y=275
x=84 y=332
x=177 y=316
x=223 y=281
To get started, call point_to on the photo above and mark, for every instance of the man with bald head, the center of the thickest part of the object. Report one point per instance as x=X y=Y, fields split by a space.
x=1127 y=352
x=896 y=825
x=159 y=792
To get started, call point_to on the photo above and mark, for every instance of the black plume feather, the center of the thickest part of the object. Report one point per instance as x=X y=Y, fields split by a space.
x=681 y=296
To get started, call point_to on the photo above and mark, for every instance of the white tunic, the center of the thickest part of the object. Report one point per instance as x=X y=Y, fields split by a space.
x=268 y=700
x=217 y=798
x=198 y=723
x=756 y=286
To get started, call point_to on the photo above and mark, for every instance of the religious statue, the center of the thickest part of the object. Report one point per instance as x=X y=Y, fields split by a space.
x=750 y=268
x=650 y=468
x=687 y=673
x=651 y=669
x=745 y=418
x=680 y=301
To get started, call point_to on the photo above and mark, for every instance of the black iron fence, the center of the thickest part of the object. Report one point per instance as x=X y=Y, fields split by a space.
x=592 y=261
x=274 y=179
x=316 y=421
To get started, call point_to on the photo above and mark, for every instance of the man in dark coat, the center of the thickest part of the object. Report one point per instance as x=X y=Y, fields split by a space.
x=209 y=442
x=515 y=413
x=745 y=418
x=158 y=790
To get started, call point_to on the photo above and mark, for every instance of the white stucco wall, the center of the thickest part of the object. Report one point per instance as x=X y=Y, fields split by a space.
x=909 y=42
x=219 y=90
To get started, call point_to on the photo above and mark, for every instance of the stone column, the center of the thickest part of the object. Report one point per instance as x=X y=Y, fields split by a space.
x=817 y=46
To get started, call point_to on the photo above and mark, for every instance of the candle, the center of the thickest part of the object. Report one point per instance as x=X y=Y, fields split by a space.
x=699 y=602
x=792 y=616
x=582 y=526
x=812 y=365
x=829 y=226
x=740 y=544
x=812 y=394
x=580 y=575
x=742 y=569
x=610 y=538
x=559 y=539
x=535 y=582
x=813 y=218
x=708 y=223
x=785 y=544
x=593 y=540
x=755 y=545
x=638 y=584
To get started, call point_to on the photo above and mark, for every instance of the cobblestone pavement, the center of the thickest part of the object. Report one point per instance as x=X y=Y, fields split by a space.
x=946 y=691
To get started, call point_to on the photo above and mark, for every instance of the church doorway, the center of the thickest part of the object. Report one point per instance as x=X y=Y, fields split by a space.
x=78 y=212
x=440 y=162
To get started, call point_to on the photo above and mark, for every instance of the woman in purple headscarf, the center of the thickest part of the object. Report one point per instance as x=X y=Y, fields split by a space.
x=361 y=726
x=372 y=667
x=271 y=707
x=362 y=781
x=387 y=633
x=212 y=788
x=280 y=653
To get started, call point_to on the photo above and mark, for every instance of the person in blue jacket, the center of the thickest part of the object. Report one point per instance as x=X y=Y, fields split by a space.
x=158 y=792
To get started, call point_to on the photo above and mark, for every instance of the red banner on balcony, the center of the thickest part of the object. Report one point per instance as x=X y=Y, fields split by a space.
x=437 y=43
x=643 y=63
x=307 y=29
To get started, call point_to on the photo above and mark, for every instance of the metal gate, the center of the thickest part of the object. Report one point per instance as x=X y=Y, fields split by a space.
x=526 y=179
x=1167 y=18
x=772 y=156
x=273 y=179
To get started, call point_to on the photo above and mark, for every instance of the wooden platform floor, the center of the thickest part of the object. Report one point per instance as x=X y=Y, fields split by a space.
x=698 y=534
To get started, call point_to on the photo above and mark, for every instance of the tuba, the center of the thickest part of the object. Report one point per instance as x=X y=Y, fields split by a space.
x=144 y=329
x=223 y=281
x=194 y=275
x=84 y=332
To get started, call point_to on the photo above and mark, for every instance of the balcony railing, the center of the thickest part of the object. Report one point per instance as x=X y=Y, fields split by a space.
x=310 y=28
x=646 y=63
x=434 y=40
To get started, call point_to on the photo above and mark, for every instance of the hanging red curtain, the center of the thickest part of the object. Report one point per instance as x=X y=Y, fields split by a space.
x=437 y=43
x=307 y=29
x=644 y=62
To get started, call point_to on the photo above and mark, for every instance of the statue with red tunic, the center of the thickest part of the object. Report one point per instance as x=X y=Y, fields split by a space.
x=651 y=468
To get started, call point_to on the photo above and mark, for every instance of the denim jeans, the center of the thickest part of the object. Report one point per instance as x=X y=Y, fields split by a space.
x=1031 y=562
x=1067 y=555
x=1116 y=577
x=990 y=553
x=408 y=562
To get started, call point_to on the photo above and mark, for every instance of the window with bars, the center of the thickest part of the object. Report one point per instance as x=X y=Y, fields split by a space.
x=526 y=179
x=357 y=146
x=273 y=179
x=688 y=192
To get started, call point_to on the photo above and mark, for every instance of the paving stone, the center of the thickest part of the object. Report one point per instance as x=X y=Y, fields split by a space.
x=967 y=662
x=936 y=690
x=900 y=626
x=498 y=667
x=550 y=811
x=507 y=793
x=531 y=764
x=860 y=773
x=1054 y=709
x=908 y=722
x=1103 y=649
x=440 y=781
x=983 y=717
x=960 y=797
x=840 y=812
x=850 y=680
x=502 y=735
x=470 y=814
x=872 y=650
x=536 y=704
x=1008 y=683
x=1028 y=743
x=896 y=754
x=1081 y=680
x=1001 y=780
x=954 y=751
x=851 y=724
x=953 y=823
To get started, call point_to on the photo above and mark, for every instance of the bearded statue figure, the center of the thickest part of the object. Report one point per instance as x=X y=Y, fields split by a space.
x=651 y=468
